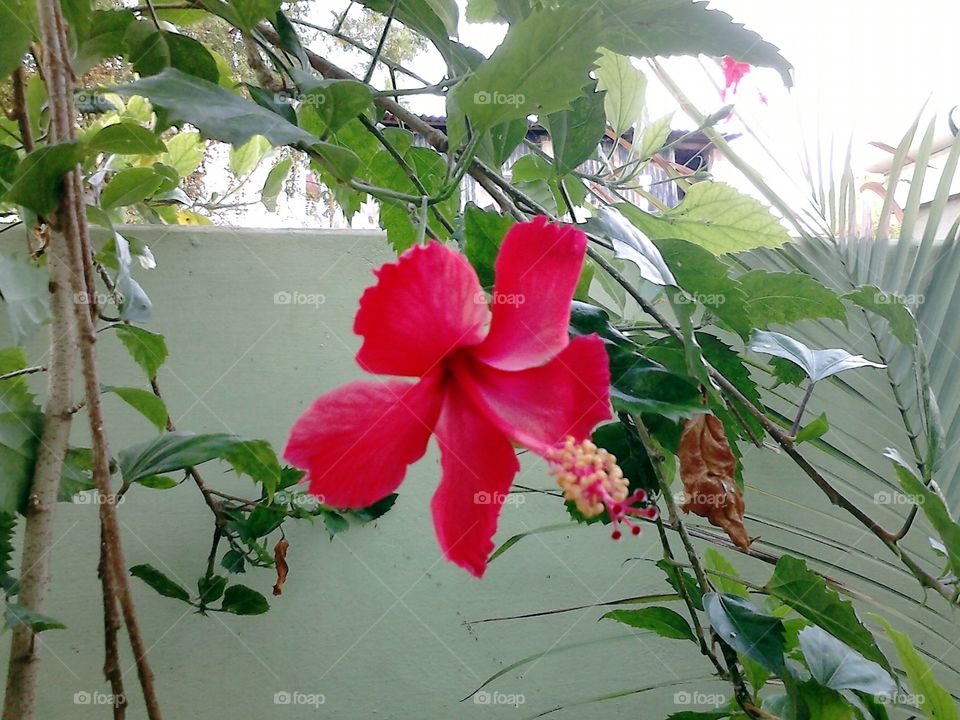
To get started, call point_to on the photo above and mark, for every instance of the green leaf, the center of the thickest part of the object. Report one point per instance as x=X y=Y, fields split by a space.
x=274 y=183
x=541 y=67
x=808 y=594
x=173 y=451
x=334 y=522
x=654 y=137
x=328 y=105
x=233 y=561
x=15 y=615
x=158 y=482
x=256 y=459
x=676 y=576
x=18 y=33
x=747 y=629
x=576 y=131
x=663 y=621
x=241 y=600
x=786 y=372
x=223 y=115
x=375 y=511
x=210 y=589
x=818 y=364
x=261 y=521
x=105 y=38
x=839 y=667
x=626 y=89
x=934 y=700
x=483 y=233
x=784 y=298
x=667 y=27
x=25 y=289
x=245 y=158
x=147 y=349
x=130 y=186
x=38 y=179
x=20 y=429
x=144 y=402
x=184 y=152
x=823 y=703
x=705 y=280
x=245 y=14
x=8 y=528
x=713 y=560
x=151 y=51
x=126 y=138
x=890 y=308
x=160 y=582
x=715 y=216
x=631 y=244
x=813 y=430
x=932 y=503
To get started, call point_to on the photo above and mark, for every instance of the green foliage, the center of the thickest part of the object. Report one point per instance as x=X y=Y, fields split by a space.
x=576 y=131
x=241 y=600
x=147 y=349
x=144 y=402
x=625 y=87
x=160 y=582
x=18 y=33
x=125 y=138
x=38 y=179
x=25 y=292
x=483 y=232
x=747 y=629
x=838 y=667
x=817 y=364
x=663 y=621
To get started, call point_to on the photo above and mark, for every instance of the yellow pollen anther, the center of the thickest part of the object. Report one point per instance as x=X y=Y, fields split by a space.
x=588 y=475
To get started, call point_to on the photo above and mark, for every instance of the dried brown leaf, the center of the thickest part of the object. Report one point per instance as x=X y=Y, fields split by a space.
x=708 y=469
x=280 y=559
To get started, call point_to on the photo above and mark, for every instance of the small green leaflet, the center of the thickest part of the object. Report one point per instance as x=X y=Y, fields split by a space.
x=663 y=621
x=818 y=364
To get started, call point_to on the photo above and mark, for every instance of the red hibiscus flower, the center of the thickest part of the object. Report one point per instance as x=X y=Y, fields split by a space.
x=492 y=372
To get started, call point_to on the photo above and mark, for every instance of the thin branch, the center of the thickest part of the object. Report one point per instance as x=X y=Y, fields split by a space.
x=23 y=371
x=383 y=40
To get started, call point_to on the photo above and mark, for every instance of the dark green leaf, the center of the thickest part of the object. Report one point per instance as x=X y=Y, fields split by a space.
x=151 y=51
x=256 y=459
x=327 y=105
x=130 y=186
x=173 y=451
x=233 y=561
x=808 y=594
x=663 y=621
x=126 y=138
x=210 y=589
x=377 y=510
x=483 y=232
x=18 y=34
x=676 y=576
x=160 y=582
x=334 y=522
x=241 y=600
x=105 y=38
x=747 y=629
x=38 y=179
x=244 y=14
x=576 y=131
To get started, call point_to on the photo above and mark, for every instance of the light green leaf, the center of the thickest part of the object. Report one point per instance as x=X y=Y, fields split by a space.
x=818 y=364
x=746 y=628
x=890 y=308
x=144 y=402
x=158 y=482
x=541 y=67
x=663 y=621
x=934 y=700
x=713 y=560
x=184 y=152
x=328 y=105
x=245 y=14
x=654 y=136
x=932 y=503
x=25 y=290
x=715 y=216
x=626 y=88
x=16 y=18
x=15 y=615
x=808 y=594
x=839 y=667
x=148 y=350
x=245 y=158
x=274 y=183
x=813 y=430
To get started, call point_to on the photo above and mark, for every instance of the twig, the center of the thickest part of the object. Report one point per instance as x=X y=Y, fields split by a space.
x=383 y=40
x=801 y=408
x=23 y=371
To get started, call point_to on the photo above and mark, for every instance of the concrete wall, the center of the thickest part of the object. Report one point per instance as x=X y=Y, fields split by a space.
x=374 y=620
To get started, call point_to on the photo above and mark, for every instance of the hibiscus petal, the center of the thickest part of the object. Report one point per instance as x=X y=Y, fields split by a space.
x=478 y=466
x=537 y=272
x=423 y=307
x=355 y=442
x=539 y=407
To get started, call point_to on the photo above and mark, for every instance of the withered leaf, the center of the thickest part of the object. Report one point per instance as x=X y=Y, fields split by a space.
x=708 y=470
x=280 y=559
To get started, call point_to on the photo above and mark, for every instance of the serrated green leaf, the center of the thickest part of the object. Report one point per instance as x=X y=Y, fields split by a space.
x=626 y=89
x=934 y=700
x=148 y=350
x=808 y=594
x=785 y=298
x=680 y=578
x=540 y=67
x=173 y=451
x=144 y=402
x=257 y=460
x=483 y=233
x=715 y=216
x=890 y=308
x=160 y=582
x=663 y=621
x=814 y=429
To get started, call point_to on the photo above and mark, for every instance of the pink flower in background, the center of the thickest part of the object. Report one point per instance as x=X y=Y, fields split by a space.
x=491 y=373
x=733 y=73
